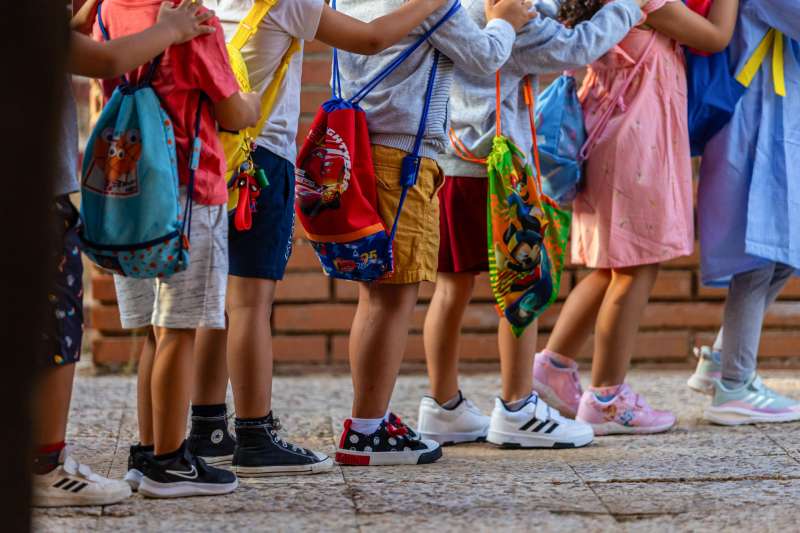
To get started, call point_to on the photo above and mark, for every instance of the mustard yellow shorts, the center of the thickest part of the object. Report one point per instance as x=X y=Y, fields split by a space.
x=416 y=245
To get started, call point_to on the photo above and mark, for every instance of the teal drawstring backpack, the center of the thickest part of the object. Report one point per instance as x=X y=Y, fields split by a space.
x=133 y=221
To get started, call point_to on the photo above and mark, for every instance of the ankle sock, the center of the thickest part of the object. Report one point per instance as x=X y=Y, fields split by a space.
x=558 y=360
x=146 y=447
x=46 y=458
x=605 y=394
x=170 y=455
x=246 y=423
x=516 y=405
x=366 y=426
x=453 y=402
x=217 y=410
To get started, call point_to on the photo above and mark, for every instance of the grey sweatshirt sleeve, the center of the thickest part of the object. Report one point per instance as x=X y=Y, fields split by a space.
x=545 y=45
x=476 y=50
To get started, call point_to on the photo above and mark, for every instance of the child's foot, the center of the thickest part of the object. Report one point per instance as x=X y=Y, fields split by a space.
x=624 y=413
x=389 y=445
x=211 y=440
x=261 y=452
x=184 y=474
x=751 y=403
x=137 y=463
x=462 y=423
x=556 y=380
x=73 y=484
x=708 y=371
x=536 y=425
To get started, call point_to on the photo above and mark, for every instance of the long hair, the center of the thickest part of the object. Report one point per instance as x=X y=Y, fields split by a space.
x=573 y=12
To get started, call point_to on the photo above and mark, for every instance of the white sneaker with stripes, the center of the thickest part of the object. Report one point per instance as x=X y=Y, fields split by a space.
x=74 y=484
x=752 y=403
x=536 y=425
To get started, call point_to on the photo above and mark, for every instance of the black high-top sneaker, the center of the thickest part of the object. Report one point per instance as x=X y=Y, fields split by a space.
x=261 y=451
x=389 y=445
x=211 y=440
x=137 y=462
x=184 y=474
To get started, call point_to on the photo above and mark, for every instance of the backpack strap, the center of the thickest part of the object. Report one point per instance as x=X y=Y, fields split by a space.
x=391 y=67
x=615 y=101
x=194 y=163
x=773 y=39
x=248 y=26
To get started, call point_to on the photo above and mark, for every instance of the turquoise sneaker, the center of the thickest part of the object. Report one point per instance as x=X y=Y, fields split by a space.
x=708 y=371
x=752 y=403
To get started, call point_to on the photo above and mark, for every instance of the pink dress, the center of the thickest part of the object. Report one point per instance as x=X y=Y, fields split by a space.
x=635 y=207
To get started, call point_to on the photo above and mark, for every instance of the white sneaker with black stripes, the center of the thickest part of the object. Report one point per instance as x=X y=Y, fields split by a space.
x=536 y=425
x=74 y=484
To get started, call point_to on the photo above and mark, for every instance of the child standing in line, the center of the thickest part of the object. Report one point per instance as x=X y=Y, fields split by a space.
x=59 y=480
x=634 y=210
x=380 y=327
x=258 y=256
x=747 y=213
x=190 y=75
x=544 y=45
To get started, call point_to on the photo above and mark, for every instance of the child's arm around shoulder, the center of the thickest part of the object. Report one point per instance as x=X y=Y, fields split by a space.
x=483 y=51
x=712 y=35
x=347 y=33
x=116 y=57
x=545 y=45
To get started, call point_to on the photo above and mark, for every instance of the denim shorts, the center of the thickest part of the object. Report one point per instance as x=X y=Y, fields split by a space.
x=263 y=251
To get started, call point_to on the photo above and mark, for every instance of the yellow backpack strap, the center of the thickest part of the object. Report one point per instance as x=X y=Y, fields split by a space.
x=774 y=40
x=249 y=24
x=271 y=92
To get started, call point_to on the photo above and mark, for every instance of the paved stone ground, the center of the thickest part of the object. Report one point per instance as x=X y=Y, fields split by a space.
x=698 y=477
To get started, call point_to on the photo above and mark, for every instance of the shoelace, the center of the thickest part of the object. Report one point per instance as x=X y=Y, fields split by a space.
x=277 y=439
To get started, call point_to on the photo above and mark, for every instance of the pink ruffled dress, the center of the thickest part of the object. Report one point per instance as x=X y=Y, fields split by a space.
x=635 y=207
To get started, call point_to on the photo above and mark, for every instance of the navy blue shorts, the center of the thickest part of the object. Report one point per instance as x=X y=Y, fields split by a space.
x=263 y=251
x=64 y=326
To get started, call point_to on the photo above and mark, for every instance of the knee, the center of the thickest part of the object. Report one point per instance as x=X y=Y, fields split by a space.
x=454 y=289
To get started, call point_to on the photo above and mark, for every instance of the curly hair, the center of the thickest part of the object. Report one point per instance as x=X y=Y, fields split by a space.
x=573 y=12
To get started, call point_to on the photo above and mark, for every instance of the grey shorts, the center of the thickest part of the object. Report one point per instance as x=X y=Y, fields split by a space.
x=194 y=298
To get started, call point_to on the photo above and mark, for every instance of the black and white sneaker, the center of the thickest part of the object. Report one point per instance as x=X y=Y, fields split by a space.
x=210 y=440
x=261 y=451
x=536 y=425
x=389 y=445
x=137 y=463
x=184 y=475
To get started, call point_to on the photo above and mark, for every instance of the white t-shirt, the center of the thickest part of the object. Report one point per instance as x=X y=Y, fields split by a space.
x=263 y=53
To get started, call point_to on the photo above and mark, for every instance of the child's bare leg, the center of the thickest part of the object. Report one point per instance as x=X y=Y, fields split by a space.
x=171 y=385
x=578 y=316
x=359 y=319
x=144 y=397
x=442 y=331
x=375 y=361
x=53 y=397
x=210 y=367
x=516 y=360
x=249 y=306
x=618 y=322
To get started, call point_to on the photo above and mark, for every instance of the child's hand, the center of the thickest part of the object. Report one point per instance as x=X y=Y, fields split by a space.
x=515 y=12
x=184 y=19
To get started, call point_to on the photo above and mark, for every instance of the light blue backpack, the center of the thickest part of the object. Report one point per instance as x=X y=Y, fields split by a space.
x=133 y=221
x=561 y=135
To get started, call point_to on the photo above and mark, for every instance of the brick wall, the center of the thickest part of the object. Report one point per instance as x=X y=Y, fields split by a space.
x=313 y=313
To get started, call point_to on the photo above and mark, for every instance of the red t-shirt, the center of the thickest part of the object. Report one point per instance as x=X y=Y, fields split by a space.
x=187 y=71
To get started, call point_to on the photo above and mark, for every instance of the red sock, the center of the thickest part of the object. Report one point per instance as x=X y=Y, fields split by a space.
x=46 y=457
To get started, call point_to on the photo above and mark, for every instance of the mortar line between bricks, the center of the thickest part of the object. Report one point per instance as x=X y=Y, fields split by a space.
x=778 y=444
x=589 y=486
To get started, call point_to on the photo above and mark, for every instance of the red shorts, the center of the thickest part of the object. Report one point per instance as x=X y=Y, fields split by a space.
x=463 y=228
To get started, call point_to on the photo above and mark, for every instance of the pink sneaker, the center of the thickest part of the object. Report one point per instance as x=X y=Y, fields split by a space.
x=556 y=380
x=625 y=413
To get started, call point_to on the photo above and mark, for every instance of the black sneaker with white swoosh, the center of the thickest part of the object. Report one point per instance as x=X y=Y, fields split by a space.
x=185 y=475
